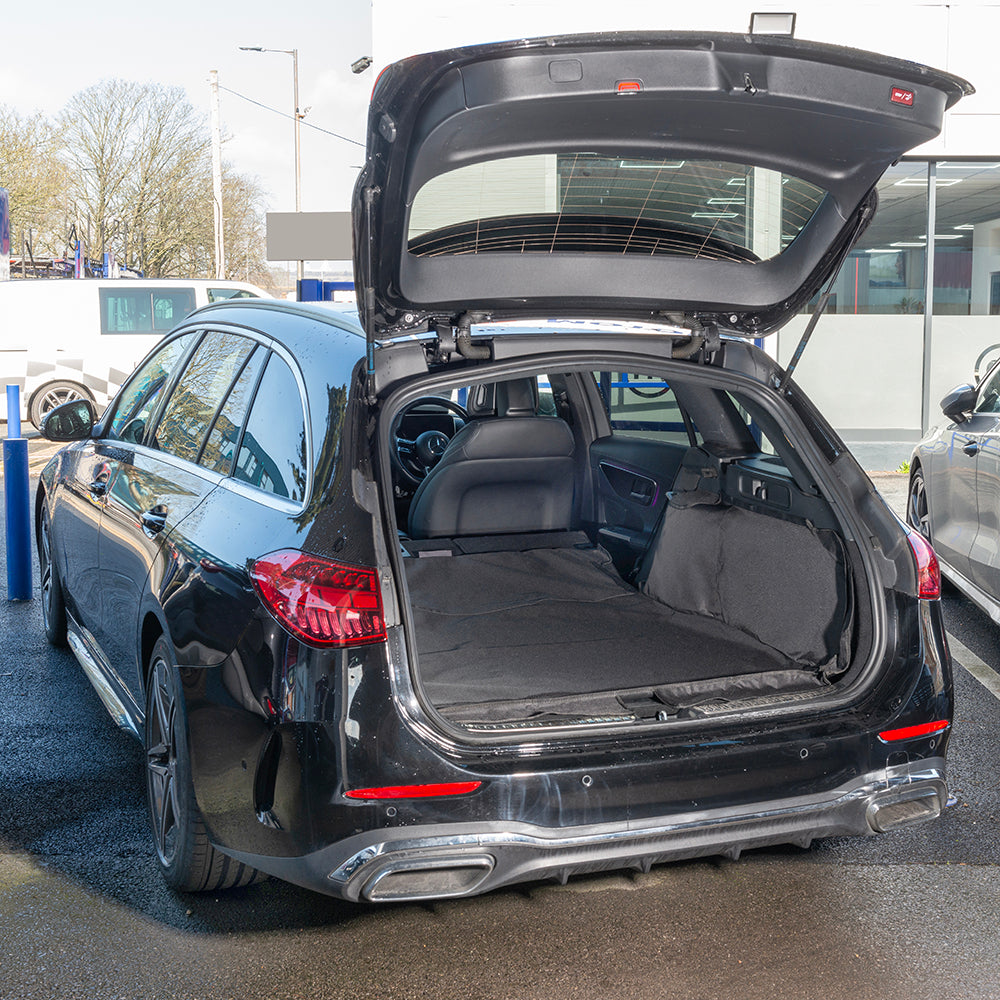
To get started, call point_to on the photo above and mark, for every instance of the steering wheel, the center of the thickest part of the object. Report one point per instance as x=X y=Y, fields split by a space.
x=648 y=393
x=413 y=459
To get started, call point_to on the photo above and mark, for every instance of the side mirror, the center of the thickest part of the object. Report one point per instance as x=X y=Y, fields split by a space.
x=959 y=402
x=72 y=421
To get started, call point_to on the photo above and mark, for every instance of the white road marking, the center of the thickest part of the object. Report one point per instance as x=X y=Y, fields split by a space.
x=964 y=657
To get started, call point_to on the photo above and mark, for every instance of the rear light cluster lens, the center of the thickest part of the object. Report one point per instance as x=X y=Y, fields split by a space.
x=322 y=602
x=912 y=732
x=928 y=571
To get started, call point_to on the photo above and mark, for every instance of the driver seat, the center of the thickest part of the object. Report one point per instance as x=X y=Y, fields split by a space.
x=500 y=475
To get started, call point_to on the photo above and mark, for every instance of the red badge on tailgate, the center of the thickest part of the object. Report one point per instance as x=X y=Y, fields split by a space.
x=901 y=96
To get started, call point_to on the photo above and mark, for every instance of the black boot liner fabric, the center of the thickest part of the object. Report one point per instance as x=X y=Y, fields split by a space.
x=554 y=622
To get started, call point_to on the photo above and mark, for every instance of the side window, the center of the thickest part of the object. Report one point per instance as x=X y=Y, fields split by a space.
x=171 y=306
x=272 y=454
x=141 y=393
x=126 y=311
x=223 y=294
x=199 y=392
x=144 y=310
x=220 y=449
x=643 y=406
x=989 y=395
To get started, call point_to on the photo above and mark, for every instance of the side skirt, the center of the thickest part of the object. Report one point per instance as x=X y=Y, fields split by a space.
x=116 y=697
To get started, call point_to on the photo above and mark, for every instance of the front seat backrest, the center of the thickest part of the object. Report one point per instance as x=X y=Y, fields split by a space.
x=511 y=473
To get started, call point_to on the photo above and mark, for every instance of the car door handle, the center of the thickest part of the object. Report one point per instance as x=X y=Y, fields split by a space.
x=98 y=486
x=971 y=448
x=154 y=520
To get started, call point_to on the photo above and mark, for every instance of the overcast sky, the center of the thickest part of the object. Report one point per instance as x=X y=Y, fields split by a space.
x=54 y=48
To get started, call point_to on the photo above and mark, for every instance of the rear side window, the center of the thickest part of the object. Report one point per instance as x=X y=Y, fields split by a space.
x=220 y=450
x=142 y=392
x=761 y=428
x=272 y=454
x=643 y=406
x=144 y=310
x=199 y=392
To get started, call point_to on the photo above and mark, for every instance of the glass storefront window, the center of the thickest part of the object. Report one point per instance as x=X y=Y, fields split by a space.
x=967 y=239
x=884 y=273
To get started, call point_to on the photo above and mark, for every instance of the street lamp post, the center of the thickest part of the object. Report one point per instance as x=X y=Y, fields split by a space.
x=294 y=53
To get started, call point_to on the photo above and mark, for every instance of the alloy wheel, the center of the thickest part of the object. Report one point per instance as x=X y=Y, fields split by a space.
x=917 y=515
x=161 y=761
x=45 y=567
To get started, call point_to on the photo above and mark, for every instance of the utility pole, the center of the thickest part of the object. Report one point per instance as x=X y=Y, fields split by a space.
x=298 y=116
x=300 y=270
x=220 y=248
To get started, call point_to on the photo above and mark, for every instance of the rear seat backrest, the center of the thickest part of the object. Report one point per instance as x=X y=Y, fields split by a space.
x=781 y=582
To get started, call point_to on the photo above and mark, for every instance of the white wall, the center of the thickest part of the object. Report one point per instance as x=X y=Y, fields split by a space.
x=864 y=372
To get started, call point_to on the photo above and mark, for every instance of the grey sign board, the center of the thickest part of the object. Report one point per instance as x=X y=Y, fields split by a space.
x=309 y=236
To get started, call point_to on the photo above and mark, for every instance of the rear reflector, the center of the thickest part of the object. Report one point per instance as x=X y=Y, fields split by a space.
x=928 y=571
x=322 y=602
x=414 y=791
x=911 y=732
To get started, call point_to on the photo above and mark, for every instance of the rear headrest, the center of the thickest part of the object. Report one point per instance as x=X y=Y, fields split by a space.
x=517 y=398
x=482 y=400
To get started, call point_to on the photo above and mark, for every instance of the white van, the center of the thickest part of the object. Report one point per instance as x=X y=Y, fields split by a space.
x=63 y=339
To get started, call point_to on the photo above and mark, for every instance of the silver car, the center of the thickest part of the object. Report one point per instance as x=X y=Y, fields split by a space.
x=954 y=496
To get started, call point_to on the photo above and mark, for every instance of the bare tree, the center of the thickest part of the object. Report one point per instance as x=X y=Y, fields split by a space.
x=135 y=153
x=244 y=224
x=130 y=164
x=34 y=175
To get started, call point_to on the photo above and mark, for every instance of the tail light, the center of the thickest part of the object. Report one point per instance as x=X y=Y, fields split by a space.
x=912 y=732
x=414 y=791
x=928 y=571
x=322 y=602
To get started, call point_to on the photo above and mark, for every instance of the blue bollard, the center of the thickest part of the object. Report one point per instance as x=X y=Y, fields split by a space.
x=18 y=502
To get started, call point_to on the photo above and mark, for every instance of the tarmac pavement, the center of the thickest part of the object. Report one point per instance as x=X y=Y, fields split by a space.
x=84 y=912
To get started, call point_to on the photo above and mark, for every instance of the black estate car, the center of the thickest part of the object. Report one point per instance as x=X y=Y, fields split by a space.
x=544 y=567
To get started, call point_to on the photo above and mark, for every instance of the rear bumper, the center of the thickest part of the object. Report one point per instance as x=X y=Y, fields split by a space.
x=397 y=864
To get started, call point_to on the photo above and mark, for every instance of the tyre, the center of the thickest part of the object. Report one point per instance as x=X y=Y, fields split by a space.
x=917 y=515
x=186 y=857
x=53 y=605
x=52 y=395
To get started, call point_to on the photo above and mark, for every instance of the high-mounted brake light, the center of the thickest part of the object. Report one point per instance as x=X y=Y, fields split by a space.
x=628 y=86
x=928 y=570
x=911 y=732
x=414 y=791
x=322 y=602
